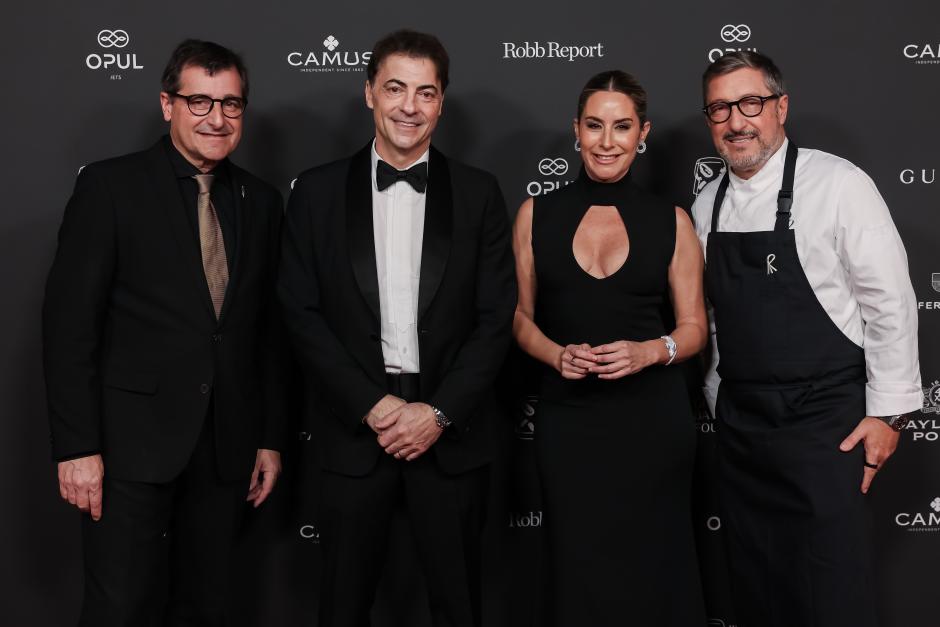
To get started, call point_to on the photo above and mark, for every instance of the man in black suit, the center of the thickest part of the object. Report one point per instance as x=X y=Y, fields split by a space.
x=398 y=286
x=161 y=354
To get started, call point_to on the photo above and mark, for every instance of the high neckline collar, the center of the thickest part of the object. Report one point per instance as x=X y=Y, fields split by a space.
x=602 y=193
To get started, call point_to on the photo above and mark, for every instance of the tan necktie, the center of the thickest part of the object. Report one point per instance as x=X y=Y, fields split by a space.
x=214 y=262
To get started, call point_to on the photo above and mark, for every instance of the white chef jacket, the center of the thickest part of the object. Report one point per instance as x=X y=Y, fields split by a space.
x=853 y=259
x=398 y=228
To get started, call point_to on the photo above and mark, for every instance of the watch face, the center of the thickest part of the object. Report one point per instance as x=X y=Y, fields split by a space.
x=900 y=422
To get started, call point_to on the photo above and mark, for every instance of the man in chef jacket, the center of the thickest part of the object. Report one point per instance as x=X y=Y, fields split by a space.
x=815 y=322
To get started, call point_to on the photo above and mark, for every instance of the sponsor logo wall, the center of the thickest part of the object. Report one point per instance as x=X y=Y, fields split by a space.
x=514 y=84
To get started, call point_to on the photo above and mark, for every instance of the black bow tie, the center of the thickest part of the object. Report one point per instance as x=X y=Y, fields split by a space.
x=416 y=176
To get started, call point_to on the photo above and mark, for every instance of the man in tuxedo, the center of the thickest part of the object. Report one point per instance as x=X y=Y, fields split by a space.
x=398 y=287
x=161 y=354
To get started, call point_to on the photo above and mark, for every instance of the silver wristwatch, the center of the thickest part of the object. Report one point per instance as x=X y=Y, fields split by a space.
x=671 y=347
x=441 y=418
x=896 y=422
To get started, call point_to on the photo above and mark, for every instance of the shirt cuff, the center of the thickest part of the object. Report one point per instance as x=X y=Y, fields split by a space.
x=891 y=399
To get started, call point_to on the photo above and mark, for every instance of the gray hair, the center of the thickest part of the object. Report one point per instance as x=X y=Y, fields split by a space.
x=740 y=59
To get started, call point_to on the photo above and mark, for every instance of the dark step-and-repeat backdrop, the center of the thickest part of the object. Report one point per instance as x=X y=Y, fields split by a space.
x=82 y=82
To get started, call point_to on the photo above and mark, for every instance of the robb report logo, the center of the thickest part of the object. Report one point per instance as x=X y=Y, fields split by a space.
x=923 y=176
x=707 y=169
x=927 y=427
x=733 y=35
x=927 y=520
x=931 y=304
x=551 y=50
x=310 y=533
x=331 y=58
x=525 y=520
x=922 y=54
x=525 y=428
x=549 y=167
x=113 y=41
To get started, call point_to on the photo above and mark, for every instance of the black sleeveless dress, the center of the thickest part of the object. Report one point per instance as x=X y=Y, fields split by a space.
x=615 y=457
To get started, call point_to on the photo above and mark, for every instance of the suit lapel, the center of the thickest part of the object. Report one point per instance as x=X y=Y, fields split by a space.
x=167 y=195
x=243 y=230
x=438 y=226
x=359 y=229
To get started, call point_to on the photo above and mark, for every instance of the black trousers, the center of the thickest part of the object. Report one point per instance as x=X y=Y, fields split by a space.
x=160 y=555
x=446 y=513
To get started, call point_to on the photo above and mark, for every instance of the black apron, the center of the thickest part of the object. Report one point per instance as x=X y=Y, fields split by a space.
x=792 y=388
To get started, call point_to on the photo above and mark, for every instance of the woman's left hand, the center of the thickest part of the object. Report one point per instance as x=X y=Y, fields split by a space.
x=623 y=357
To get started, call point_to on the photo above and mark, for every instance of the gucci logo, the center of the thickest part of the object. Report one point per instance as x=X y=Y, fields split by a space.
x=730 y=32
x=548 y=166
x=113 y=38
x=331 y=43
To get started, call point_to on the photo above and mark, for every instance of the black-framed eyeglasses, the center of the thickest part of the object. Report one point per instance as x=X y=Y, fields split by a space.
x=201 y=104
x=749 y=106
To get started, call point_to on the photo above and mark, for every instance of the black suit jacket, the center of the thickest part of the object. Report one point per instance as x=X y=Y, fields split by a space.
x=466 y=299
x=133 y=352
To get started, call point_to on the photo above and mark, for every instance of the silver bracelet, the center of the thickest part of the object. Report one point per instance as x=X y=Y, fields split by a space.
x=671 y=347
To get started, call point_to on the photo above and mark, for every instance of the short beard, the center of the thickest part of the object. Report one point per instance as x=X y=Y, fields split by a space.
x=747 y=162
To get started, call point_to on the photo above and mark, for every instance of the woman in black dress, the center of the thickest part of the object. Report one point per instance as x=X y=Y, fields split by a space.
x=597 y=261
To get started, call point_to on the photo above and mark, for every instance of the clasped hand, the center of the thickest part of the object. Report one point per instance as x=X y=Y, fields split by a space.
x=404 y=430
x=607 y=361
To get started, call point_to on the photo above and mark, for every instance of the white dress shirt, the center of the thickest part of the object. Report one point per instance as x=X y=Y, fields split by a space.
x=853 y=259
x=398 y=227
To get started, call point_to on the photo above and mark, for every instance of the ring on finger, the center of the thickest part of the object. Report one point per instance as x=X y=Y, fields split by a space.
x=872 y=466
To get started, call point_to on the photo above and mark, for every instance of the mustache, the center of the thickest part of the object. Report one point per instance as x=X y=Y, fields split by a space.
x=741 y=134
x=208 y=128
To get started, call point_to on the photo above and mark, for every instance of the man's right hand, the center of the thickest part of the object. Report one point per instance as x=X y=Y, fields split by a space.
x=81 y=483
x=386 y=405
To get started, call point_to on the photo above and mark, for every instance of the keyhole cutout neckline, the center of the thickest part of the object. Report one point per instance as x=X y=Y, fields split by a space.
x=603 y=250
x=604 y=199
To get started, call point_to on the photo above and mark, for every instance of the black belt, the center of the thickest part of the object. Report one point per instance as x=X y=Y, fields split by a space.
x=406 y=386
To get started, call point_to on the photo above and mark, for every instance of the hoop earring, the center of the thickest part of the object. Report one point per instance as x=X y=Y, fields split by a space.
x=577 y=145
x=641 y=148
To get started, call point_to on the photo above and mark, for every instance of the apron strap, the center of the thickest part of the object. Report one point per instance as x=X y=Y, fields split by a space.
x=784 y=196
x=719 y=198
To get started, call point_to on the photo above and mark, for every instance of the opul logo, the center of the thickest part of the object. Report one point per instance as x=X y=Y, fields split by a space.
x=739 y=33
x=549 y=166
x=731 y=34
x=113 y=38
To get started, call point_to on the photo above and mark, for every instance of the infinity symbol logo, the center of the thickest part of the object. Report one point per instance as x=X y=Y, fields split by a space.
x=730 y=32
x=113 y=38
x=549 y=166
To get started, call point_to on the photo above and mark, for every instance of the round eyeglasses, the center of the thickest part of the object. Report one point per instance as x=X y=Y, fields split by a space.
x=201 y=105
x=749 y=106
